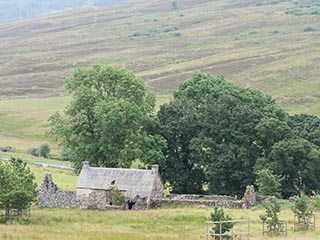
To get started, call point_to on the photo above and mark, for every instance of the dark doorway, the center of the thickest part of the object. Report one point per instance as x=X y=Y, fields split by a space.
x=130 y=205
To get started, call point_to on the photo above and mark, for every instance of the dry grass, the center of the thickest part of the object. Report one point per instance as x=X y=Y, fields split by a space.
x=177 y=223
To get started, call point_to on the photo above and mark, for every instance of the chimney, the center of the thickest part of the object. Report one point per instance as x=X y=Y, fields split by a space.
x=85 y=165
x=155 y=168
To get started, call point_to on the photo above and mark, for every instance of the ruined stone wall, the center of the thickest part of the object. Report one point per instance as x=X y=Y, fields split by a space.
x=222 y=202
x=93 y=199
x=50 y=196
x=157 y=191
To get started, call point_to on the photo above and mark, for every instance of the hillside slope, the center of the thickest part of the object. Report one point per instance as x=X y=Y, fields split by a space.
x=14 y=10
x=270 y=45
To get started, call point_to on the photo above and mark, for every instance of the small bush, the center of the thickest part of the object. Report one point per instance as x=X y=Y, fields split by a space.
x=302 y=209
x=33 y=151
x=176 y=34
x=170 y=29
x=7 y=149
x=218 y=215
x=44 y=150
x=308 y=29
x=117 y=196
x=268 y=184
x=316 y=203
x=271 y=218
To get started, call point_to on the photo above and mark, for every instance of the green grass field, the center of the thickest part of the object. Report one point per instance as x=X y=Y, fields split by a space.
x=158 y=224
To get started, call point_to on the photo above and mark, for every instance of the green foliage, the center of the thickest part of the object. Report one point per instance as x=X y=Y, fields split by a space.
x=267 y=183
x=174 y=5
x=297 y=161
x=303 y=210
x=110 y=120
x=218 y=215
x=117 y=196
x=308 y=29
x=44 y=150
x=18 y=189
x=307 y=127
x=210 y=129
x=33 y=151
x=167 y=189
x=170 y=29
x=7 y=149
x=271 y=218
x=316 y=203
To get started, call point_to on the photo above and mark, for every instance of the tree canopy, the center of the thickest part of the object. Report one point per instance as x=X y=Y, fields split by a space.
x=225 y=136
x=18 y=189
x=109 y=119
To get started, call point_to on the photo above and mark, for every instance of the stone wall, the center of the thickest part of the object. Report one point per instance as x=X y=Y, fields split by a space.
x=50 y=196
x=222 y=201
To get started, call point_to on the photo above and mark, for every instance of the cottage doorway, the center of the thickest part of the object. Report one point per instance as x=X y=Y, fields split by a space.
x=130 y=205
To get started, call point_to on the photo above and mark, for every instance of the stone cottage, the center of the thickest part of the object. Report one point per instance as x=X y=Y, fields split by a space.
x=140 y=187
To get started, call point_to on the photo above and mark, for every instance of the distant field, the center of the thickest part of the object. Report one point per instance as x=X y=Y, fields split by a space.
x=23 y=122
x=270 y=45
x=159 y=224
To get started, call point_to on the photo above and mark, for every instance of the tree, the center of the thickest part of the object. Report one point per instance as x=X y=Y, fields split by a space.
x=271 y=218
x=44 y=150
x=302 y=209
x=174 y=5
x=218 y=215
x=18 y=189
x=298 y=164
x=110 y=119
x=210 y=130
x=307 y=127
x=268 y=184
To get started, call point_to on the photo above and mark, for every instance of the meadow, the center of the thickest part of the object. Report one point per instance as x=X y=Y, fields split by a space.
x=184 y=222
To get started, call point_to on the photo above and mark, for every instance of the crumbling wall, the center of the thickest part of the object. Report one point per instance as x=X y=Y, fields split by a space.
x=222 y=202
x=93 y=198
x=50 y=196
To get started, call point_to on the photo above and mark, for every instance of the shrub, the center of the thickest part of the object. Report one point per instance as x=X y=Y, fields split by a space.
x=176 y=34
x=7 y=149
x=170 y=29
x=308 y=29
x=267 y=183
x=316 y=203
x=44 y=150
x=218 y=215
x=33 y=151
x=117 y=196
x=18 y=189
x=167 y=189
x=271 y=218
x=302 y=209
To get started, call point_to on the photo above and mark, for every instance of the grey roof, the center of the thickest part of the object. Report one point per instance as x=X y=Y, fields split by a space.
x=133 y=181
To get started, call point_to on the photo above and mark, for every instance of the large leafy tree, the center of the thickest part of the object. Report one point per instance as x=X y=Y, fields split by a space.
x=109 y=121
x=210 y=129
x=307 y=127
x=18 y=189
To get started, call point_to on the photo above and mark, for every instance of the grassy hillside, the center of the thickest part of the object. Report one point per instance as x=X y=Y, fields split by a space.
x=270 y=45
